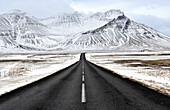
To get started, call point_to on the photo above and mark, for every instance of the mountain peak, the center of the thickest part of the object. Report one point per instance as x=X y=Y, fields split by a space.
x=114 y=12
x=77 y=13
x=108 y=30
x=108 y=15
x=17 y=11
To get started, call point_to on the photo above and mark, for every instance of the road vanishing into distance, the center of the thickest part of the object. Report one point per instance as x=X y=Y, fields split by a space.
x=84 y=86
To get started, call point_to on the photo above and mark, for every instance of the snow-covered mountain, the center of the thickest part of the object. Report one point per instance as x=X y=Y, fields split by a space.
x=20 y=30
x=120 y=34
x=77 y=19
x=71 y=23
x=107 y=16
x=111 y=30
x=64 y=19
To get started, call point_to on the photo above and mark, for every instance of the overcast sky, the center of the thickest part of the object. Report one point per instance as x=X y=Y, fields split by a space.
x=154 y=13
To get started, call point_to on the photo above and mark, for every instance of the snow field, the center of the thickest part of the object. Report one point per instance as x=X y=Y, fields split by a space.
x=19 y=72
x=156 y=77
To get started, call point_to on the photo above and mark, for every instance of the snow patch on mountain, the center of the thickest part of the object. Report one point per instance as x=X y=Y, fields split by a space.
x=110 y=30
x=77 y=22
x=121 y=34
x=20 y=30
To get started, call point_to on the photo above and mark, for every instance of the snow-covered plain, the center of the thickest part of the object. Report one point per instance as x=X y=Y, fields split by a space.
x=152 y=69
x=17 y=70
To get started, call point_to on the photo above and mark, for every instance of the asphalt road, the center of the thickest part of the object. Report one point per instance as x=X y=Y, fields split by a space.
x=102 y=90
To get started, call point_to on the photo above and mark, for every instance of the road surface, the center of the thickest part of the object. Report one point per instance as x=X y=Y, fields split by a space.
x=84 y=86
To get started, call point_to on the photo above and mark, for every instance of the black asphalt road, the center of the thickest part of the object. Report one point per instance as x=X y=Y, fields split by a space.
x=104 y=91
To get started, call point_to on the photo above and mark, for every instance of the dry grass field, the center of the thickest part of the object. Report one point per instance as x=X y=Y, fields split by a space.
x=152 y=69
x=17 y=70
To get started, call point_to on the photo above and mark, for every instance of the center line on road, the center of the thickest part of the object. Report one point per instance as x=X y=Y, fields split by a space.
x=82 y=78
x=83 y=94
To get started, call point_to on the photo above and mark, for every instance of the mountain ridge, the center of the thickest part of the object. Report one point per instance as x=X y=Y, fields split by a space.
x=110 y=30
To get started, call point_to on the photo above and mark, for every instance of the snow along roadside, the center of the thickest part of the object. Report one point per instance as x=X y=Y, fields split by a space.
x=158 y=83
x=36 y=75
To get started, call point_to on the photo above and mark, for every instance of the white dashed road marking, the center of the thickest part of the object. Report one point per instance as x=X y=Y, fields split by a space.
x=83 y=94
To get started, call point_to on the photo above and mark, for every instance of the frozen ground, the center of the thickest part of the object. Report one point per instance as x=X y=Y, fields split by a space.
x=152 y=69
x=19 y=70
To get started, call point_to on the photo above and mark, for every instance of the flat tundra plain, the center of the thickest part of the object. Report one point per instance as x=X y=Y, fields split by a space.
x=151 y=69
x=18 y=70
